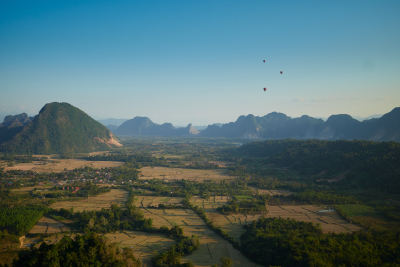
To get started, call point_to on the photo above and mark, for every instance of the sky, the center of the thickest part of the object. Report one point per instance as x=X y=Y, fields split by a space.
x=198 y=61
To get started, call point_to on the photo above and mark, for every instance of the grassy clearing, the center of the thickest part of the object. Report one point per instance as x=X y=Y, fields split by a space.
x=352 y=210
x=330 y=221
x=367 y=216
x=170 y=174
x=59 y=165
x=105 y=200
x=144 y=245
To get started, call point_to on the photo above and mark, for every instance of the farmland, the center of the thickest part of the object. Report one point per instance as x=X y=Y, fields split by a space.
x=104 y=200
x=172 y=209
x=171 y=174
x=329 y=220
x=59 y=165
x=49 y=226
x=144 y=245
x=212 y=247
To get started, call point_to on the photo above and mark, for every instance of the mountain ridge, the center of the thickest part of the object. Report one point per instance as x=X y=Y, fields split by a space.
x=277 y=125
x=60 y=128
x=143 y=126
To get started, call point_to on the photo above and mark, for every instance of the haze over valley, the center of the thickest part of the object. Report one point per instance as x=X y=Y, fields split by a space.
x=199 y=133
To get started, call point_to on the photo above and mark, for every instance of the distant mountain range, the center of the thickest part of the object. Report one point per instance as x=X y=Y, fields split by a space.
x=111 y=123
x=62 y=128
x=277 y=126
x=58 y=128
x=143 y=126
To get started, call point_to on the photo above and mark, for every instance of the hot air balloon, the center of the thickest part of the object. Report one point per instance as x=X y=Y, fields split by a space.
x=264 y=60
x=281 y=72
x=265 y=89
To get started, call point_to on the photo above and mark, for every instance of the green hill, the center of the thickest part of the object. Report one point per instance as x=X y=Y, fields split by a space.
x=60 y=128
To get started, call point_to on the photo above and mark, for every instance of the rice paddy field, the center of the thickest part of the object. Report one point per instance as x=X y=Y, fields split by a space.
x=144 y=245
x=171 y=174
x=104 y=200
x=328 y=219
x=212 y=247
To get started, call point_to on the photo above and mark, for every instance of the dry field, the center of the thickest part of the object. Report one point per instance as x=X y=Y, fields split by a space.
x=104 y=200
x=147 y=201
x=168 y=174
x=231 y=223
x=59 y=165
x=28 y=189
x=144 y=245
x=329 y=221
x=212 y=247
x=48 y=226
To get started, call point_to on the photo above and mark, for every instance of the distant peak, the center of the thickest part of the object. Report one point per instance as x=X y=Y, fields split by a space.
x=346 y=117
x=276 y=115
x=54 y=105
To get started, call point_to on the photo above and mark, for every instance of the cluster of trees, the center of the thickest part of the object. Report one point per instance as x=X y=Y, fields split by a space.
x=19 y=219
x=18 y=158
x=320 y=197
x=184 y=246
x=183 y=187
x=108 y=220
x=162 y=206
x=286 y=242
x=83 y=250
x=72 y=190
x=245 y=206
x=209 y=188
x=359 y=164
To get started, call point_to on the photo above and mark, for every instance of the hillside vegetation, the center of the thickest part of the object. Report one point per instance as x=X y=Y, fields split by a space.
x=60 y=128
x=347 y=164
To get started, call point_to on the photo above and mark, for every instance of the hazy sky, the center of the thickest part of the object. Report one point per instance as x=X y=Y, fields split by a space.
x=200 y=61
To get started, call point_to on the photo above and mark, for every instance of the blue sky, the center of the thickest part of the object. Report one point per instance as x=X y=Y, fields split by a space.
x=200 y=61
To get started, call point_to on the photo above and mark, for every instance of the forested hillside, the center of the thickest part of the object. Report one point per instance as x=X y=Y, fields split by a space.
x=60 y=128
x=351 y=164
